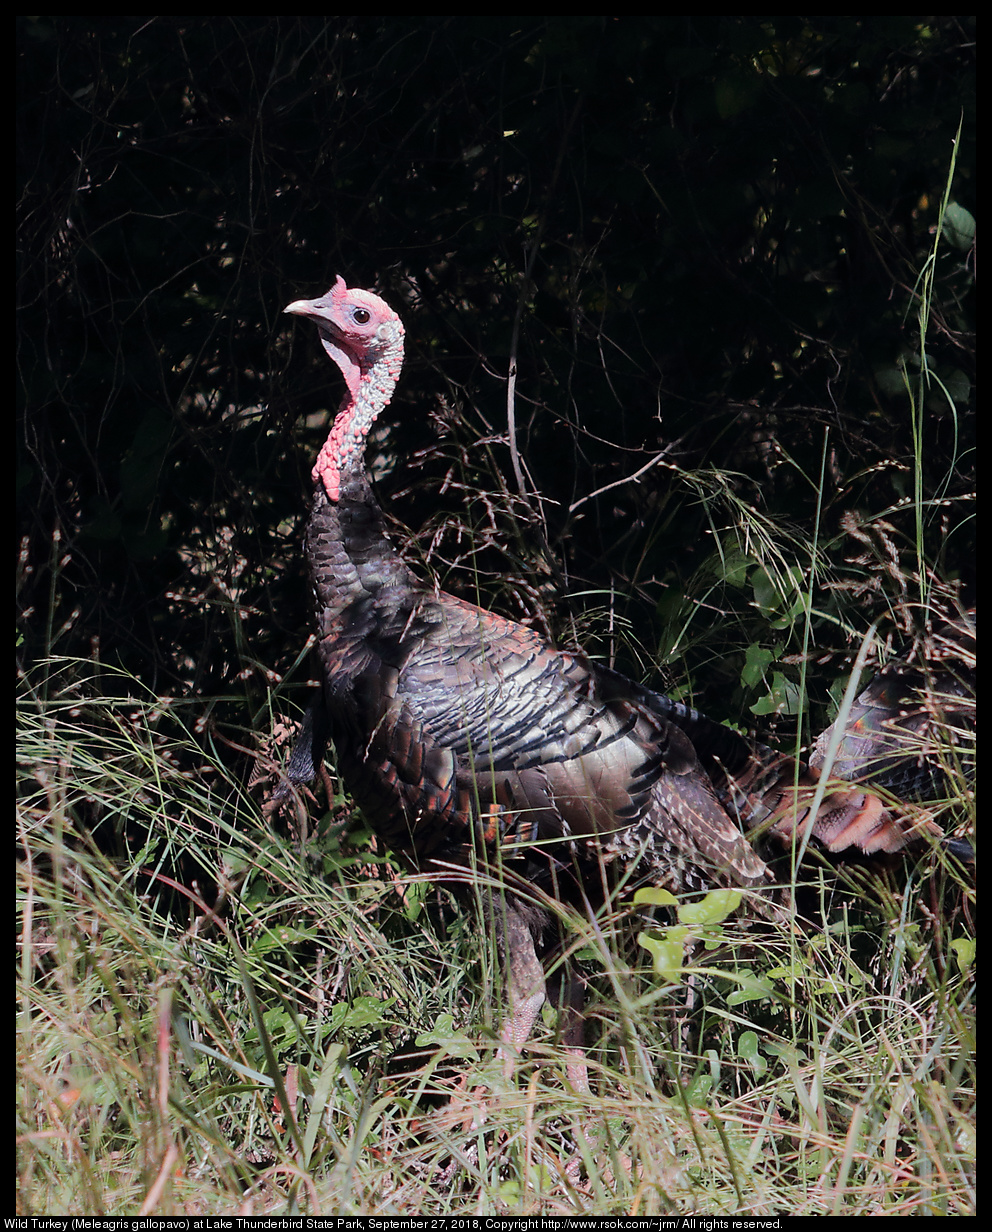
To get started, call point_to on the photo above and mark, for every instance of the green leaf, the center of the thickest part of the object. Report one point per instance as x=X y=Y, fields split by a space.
x=783 y=597
x=654 y=896
x=747 y=1049
x=698 y=1090
x=713 y=909
x=958 y=227
x=964 y=951
x=782 y=697
x=367 y=1012
x=751 y=988
x=756 y=661
x=445 y=1036
x=281 y=938
x=667 y=953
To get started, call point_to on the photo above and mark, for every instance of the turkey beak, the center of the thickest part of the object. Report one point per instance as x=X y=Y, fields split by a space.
x=317 y=310
x=306 y=308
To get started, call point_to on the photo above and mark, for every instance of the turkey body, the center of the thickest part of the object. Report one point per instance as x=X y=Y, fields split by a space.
x=462 y=735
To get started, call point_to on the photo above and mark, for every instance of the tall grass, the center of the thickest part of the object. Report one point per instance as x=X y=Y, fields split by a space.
x=214 y=1019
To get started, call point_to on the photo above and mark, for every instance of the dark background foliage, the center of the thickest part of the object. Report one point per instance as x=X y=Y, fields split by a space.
x=697 y=242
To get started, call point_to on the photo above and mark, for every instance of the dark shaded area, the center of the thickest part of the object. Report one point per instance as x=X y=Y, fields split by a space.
x=700 y=241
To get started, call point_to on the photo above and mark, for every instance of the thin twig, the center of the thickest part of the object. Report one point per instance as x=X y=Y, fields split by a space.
x=617 y=483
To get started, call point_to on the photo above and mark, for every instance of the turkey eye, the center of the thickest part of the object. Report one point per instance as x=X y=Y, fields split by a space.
x=362 y=316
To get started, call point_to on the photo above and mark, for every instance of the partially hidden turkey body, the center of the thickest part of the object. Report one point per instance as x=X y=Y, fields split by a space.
x=494 y=761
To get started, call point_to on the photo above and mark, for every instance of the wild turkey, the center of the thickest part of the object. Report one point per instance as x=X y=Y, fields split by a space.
x=914 y=724
x=482 y=753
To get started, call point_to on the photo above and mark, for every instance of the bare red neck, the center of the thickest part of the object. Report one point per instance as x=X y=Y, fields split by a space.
x=370 y=386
